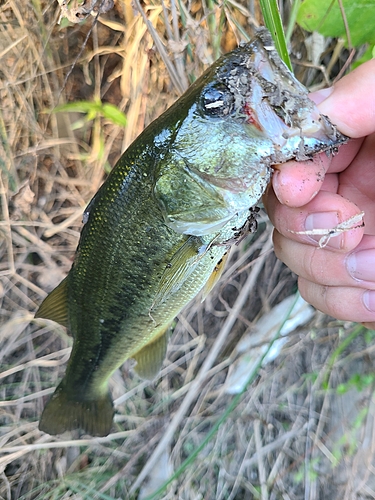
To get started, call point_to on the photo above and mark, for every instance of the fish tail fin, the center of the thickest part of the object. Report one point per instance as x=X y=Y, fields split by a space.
x=64 y=412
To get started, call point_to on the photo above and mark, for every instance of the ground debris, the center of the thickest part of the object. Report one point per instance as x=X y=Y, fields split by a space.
x=77 y=11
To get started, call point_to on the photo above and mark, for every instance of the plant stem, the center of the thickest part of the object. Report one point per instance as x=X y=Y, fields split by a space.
x=273 y=22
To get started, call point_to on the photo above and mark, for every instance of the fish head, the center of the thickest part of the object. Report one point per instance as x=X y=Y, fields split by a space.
x=246 y=113
x=250 y=98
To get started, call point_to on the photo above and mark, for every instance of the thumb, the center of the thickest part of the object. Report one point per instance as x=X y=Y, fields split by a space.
x=350 y=104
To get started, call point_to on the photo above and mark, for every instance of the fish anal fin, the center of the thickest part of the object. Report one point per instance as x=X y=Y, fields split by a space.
x=64 y=413
x=150 y=358
x=215 y=276
x=55 y=305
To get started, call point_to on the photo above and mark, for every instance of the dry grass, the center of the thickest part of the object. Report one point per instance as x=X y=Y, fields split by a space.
x=292 y=435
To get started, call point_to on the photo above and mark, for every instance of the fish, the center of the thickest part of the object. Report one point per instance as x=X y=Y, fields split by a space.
x=159 y=228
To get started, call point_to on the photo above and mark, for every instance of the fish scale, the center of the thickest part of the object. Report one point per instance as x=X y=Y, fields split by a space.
x=159 y=228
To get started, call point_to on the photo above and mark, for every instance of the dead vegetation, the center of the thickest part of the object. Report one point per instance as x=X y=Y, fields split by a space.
x=303 y=429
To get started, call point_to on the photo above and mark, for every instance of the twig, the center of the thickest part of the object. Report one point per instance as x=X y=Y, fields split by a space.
x=268 y=448
x=15 y=452
x=8 y=229
x=354 y=222
x=344 y=68
x=171 y=69
x=47 y=360
x=261 y=469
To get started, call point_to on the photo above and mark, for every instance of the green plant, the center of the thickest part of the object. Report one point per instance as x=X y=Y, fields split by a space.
x=273 y=22
x=93 y=110
x=345 y=19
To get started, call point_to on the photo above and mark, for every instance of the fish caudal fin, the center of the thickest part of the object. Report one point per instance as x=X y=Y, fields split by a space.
x=63 y=413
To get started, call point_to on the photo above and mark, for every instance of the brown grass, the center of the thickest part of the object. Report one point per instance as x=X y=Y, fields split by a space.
x=292 y=435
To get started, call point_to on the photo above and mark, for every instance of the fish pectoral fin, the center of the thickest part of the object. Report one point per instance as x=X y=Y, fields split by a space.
x=66 y=413
x=180 y=267
x=150 y=358
x=55 y=305
x=199 y=207
x=215 y=276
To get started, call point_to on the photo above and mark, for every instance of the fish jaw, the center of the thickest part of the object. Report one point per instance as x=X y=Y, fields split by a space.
x=246 y=113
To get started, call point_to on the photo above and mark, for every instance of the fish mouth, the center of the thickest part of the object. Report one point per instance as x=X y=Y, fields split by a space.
x=272 y=104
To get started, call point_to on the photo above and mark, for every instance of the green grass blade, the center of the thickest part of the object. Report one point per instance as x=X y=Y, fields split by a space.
x=358 y=330
x=272 y=20
x=292 y=20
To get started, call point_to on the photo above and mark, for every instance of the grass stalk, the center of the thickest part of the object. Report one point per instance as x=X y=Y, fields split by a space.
x=273 y=22
x=292 y=20
x=339 y=350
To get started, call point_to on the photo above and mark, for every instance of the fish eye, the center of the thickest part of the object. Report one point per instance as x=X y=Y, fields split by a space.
x=216 y=101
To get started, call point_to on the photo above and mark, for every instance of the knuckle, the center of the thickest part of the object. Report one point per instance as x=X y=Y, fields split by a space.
x=314 y=267
x=334 y=307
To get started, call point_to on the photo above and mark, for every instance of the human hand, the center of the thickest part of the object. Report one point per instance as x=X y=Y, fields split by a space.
x=340 y=278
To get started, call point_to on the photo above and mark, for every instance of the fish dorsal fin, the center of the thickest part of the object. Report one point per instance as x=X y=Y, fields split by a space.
x=180 y=267
x=150 y=358
x=215 y=276
x=55 y=305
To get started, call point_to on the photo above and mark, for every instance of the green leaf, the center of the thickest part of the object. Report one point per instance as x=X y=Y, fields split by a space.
x=114 y=115
x=94 y=109
x=369 y=54
x=326 y=18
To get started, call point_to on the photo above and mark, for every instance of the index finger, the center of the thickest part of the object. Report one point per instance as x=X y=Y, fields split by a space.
x=296 y=183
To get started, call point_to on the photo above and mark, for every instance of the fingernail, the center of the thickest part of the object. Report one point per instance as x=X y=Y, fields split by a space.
x=277 y=186
x=322 y=95
x=361 y=265
x=369 y=300
x=321 y=221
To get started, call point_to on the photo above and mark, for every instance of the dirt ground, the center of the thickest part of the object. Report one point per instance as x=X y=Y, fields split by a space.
x=297 y=426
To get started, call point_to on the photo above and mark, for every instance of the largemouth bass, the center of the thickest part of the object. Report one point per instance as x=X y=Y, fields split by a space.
x=157 y=231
